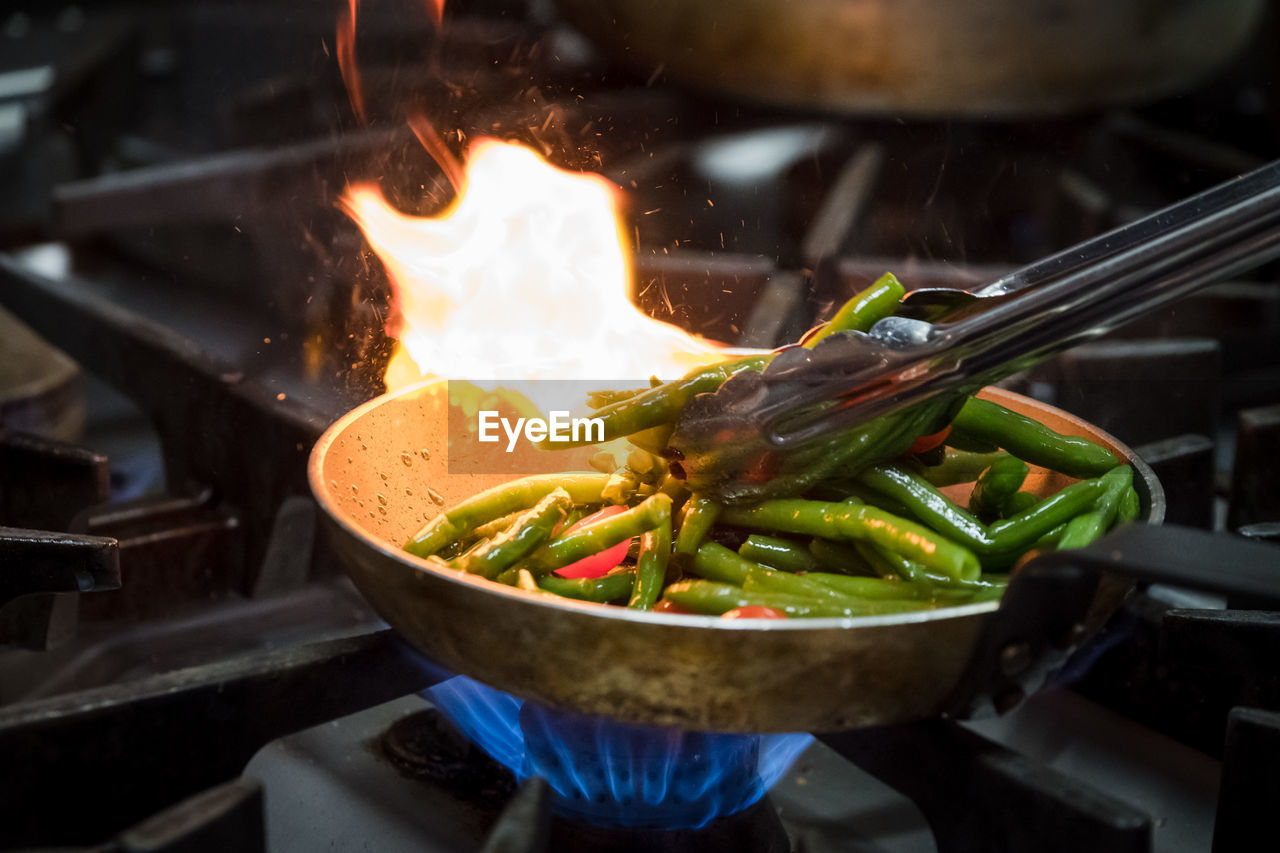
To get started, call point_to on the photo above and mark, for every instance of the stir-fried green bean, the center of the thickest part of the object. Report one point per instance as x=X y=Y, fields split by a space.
x=595 y=537
x=959 y=466
x=662 y=405
x=527 y=531
x=717 y=563
x=1030 y=440
x=846 y=521
x=601 y=590
x=712 y=598
x=1130 y=507
x=919 y=498
x=997 y=485
x=1088 y=526
x=699 y=514
x=1019 y=502
x=863 y=311
x=778 y=553
x=502 y=500
x=651 y=565
x=839 y=557
x=875 y=532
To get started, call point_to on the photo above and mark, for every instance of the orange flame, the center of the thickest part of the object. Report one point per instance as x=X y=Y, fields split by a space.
x=346 y=44
x=436 y=9
x=346 y=40
x=426 y=133
x=523 y=277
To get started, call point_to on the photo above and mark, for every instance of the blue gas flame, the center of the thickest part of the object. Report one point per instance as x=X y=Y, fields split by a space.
x=615 y=774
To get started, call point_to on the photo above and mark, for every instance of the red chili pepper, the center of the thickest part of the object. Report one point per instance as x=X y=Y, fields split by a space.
x=753 y=611
x=597 y=565
x=925 y=443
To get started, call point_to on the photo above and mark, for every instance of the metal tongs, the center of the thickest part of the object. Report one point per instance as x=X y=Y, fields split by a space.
x=951 y=341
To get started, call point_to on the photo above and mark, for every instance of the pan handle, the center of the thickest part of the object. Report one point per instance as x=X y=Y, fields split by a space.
x=1042 y=614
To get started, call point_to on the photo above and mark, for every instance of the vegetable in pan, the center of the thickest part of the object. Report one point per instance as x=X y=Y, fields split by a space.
x=863 y=529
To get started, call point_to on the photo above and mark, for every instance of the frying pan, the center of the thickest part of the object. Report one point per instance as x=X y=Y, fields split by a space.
x=383 y=470
x=924 y=57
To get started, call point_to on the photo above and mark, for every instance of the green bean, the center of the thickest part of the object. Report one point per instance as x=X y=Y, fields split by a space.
x=525 y=581
x=499 y=501
x=600 y=399
x=662 y=405
x=455 y=548
x=929 y=505
x=997 y=485
x=674 y=488
x=890 y=436
x=1019 y=502
x=734 y=472
x=959 y=466
x=989 y=593
x=852 y=491
x=1130 y=507
x=891 y=566
x=498 y=525
x=847 y=522
x=1031 y=440
x=651 y=565
x=1049 y=540
x=594 y=538
x=1003 y=539
x=864 y=310
x=1015 y=533
x=1115 y=483
x=601 y=590
x=528 y=531
x=838 y=557
x=876 y=588
x=785 y=583
x=778 y=553
x=715 y=562
x=1082 y=530
x=1086 y=527
x=710 y=597
x=888 y=565
x=621 y=486
x=700 y=514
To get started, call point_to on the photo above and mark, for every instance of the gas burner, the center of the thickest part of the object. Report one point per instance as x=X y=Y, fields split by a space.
x=607 y=773
x=425 y=745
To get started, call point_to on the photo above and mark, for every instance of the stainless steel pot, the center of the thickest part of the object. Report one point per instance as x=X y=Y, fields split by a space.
x=924 y=57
